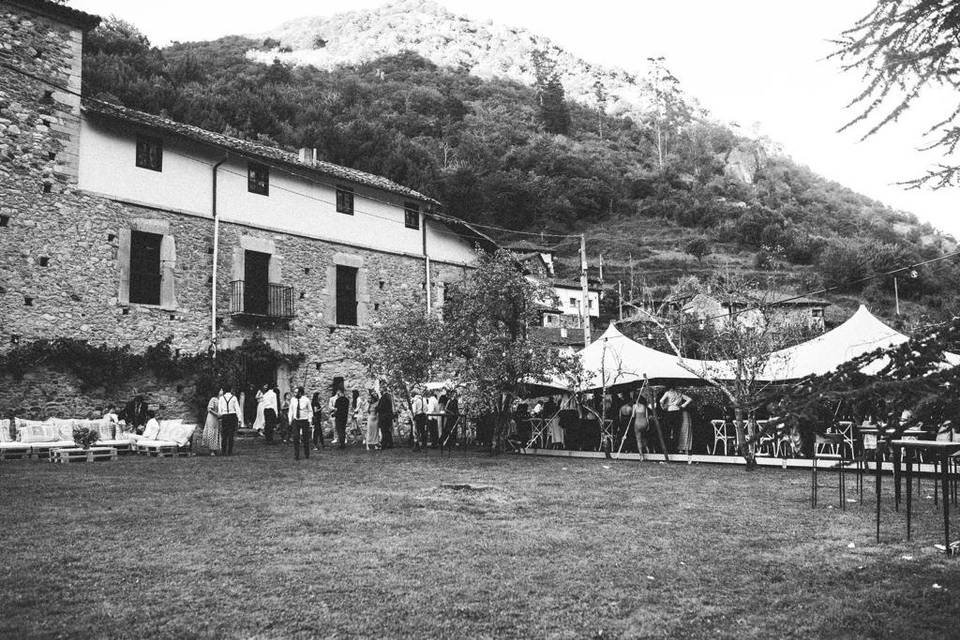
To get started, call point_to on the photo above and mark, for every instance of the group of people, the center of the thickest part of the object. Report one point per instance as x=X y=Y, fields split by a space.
x=298 y=419
x=642 y=422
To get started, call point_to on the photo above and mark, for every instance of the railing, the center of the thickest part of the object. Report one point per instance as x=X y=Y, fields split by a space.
x=272 y=301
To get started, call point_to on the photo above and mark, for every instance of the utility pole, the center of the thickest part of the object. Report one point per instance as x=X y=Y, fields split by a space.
x=896 y=294
x=620 y=297
x=585 y=295
x=631 y=278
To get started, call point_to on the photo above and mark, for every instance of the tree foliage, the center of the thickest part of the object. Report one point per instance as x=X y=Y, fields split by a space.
x=902 y=50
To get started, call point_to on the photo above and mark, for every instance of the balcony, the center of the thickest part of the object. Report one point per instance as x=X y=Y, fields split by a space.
x=261 y=300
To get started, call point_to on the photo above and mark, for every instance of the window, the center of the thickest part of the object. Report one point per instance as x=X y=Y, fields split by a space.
x=411 y=216
x=573 y=302
x=150 y=153
x=145 y=272
x=258 y=178
x=817 y=313
x=346 y=295
x=345 y=200
x=590 y=303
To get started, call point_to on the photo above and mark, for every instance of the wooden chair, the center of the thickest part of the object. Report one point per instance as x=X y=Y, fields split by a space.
x=722 y=435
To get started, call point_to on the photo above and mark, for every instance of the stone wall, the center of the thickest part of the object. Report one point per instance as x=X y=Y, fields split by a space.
x=62 y=256
x=49 y=393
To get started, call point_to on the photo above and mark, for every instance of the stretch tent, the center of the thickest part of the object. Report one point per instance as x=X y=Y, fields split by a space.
x=614 y=359
x=862 y=333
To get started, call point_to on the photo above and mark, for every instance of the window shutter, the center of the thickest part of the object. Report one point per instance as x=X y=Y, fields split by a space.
x=332 y=294
x=123 y=258
x=363 y=298
x=168 y=260
x=275 y=275
x=236 y=269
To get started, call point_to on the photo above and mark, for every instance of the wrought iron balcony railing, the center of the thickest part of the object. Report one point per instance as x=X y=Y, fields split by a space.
x=265 y=301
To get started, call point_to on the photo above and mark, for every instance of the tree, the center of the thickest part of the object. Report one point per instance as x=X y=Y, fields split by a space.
x=671 y=111
x=698 y=248
x=738 y=350
x=880 y=385
x=401 y=348
x=903 y=49
x=485 y=329
x=553 y=106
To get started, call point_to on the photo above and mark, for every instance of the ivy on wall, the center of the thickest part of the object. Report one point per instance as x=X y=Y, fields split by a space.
x=102 y=365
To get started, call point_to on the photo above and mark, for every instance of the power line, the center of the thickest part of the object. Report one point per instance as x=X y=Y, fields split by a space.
x=841 y=285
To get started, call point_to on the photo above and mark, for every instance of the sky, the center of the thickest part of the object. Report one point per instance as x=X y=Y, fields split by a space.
x=759 y=63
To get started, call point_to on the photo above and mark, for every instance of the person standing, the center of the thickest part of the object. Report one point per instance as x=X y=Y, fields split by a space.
x=673 y=403
x=385 y=418
x=341 y=411
x=641 y=423
x=372 y=439
x=316 y=404
x=259 y=424
x=419 y=405
x=433 y=408
x=229 y=410
x=270 y=412
x=685 y=438
x=284 y=417
x=210 y=440
x=299 y=415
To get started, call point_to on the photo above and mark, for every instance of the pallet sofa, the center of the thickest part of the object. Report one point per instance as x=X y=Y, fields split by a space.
x=35 y=439
x=171 y=438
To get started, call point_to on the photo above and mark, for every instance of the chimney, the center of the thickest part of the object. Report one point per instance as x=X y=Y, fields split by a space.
x=308 y=155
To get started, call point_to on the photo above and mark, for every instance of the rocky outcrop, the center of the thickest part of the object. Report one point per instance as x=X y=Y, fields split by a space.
x=744 y=161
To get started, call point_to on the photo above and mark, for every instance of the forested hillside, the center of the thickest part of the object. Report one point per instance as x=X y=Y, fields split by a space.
x=673 y=190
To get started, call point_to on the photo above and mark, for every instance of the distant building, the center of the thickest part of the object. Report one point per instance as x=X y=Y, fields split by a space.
x=124 y=228
x=778 y=309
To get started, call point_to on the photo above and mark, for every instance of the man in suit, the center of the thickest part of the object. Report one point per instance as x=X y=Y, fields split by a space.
x=385 y=417
x=229 y=410
x=298 y=415
x=270 y=412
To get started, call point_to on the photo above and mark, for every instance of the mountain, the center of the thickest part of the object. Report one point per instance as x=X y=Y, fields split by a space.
x=450 y=107
x=484 y=49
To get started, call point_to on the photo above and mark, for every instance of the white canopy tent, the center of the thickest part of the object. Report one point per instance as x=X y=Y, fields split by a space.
x=614 y=359
x=862 y=333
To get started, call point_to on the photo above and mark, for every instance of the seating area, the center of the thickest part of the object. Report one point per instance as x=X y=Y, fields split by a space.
x=34 y=439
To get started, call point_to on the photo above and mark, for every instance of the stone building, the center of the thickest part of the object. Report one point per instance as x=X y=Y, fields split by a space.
x=124 y=228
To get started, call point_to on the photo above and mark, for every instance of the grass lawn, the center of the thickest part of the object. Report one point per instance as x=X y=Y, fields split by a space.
x=353 y=544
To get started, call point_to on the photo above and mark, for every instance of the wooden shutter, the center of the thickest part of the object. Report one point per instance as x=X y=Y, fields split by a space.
x=168 y=278
x=123 y=258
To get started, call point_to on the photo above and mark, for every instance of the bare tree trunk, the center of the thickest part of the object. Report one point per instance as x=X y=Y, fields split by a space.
x=742 y=445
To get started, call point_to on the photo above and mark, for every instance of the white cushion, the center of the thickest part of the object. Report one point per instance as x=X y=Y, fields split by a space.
x=183 y=434
x=5 y=430
x=168 y=430
x=39 y=433
x=64 y=427
x=54 y=444
x=14 y=445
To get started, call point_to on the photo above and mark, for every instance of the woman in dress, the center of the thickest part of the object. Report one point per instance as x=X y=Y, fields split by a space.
x=641 y=423
x=359 y=414
x=685 y=439
x=316 y=403
x=259 y=423
x=373 y=424
x=211 y=427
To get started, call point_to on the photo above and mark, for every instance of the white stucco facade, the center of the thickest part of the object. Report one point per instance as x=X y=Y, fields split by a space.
x=298 y=204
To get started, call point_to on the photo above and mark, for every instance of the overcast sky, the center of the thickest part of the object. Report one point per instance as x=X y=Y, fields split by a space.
x=750 y=61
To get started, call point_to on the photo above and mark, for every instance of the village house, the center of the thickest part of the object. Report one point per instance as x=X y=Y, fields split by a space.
x=779 y=309
x=124 y=228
